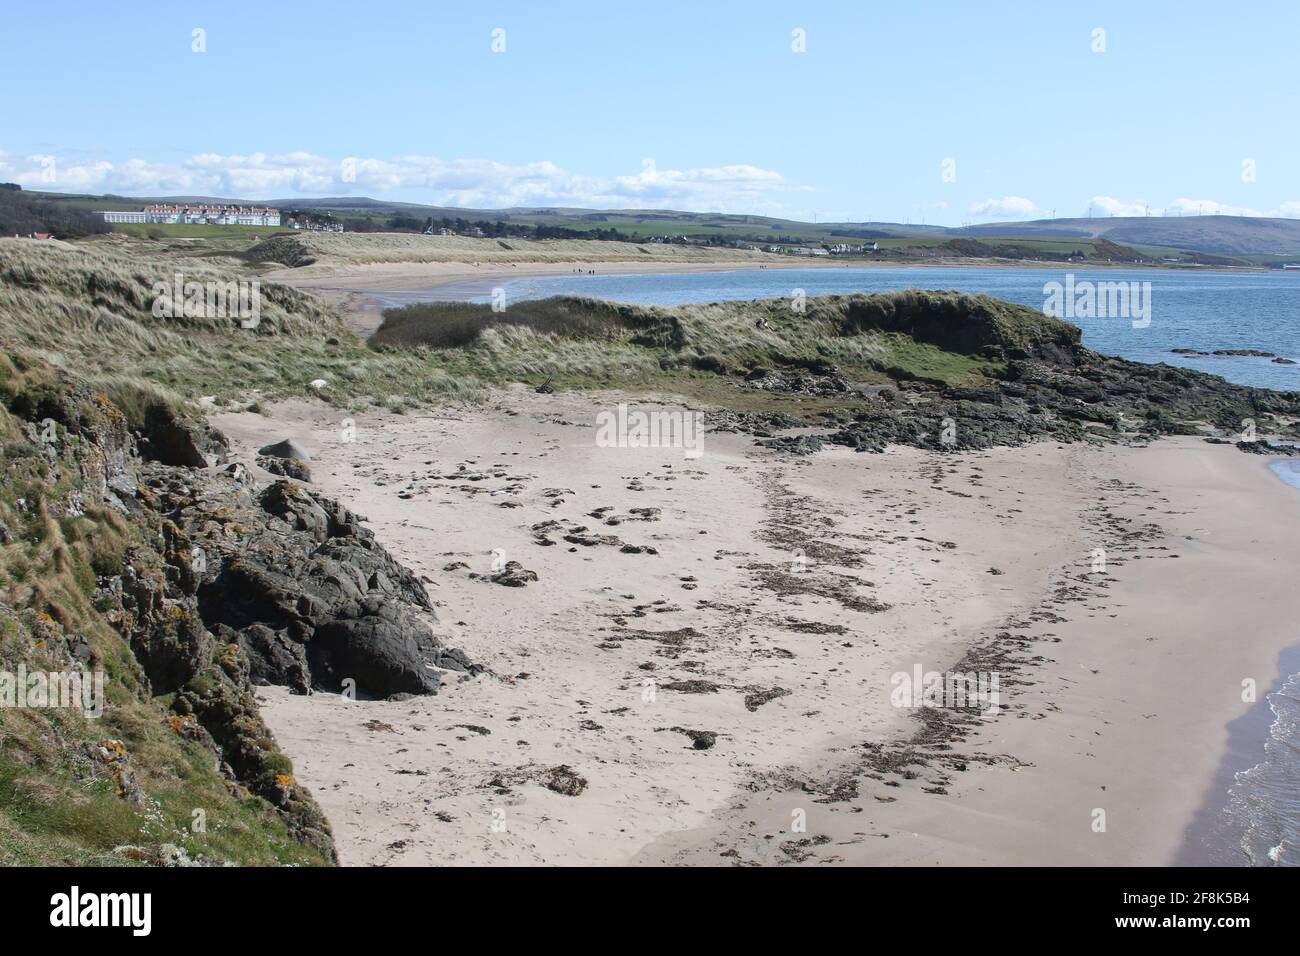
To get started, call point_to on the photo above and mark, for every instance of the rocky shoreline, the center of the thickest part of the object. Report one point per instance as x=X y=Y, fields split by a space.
x=1062 y=392
x=216 y=586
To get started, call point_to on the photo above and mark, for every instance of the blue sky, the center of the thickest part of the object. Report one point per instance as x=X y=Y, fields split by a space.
x=701 y=105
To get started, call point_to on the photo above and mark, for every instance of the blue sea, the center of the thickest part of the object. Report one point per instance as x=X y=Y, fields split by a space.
x=1265 y=800
x=1188 y=309
x=1255 y=817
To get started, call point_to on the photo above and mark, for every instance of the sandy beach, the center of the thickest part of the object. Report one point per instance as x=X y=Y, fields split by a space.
x=725 y=698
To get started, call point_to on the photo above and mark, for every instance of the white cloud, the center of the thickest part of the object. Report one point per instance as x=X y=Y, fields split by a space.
x=1111 y=206
x=1183 y=206
x=657 y=186
x=1208 y=207
x=1008 y=207
x=456 y=182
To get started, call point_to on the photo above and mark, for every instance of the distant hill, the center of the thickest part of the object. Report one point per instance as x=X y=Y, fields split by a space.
x=1222 y=235
x=646 y=222
x=1245 y=236
x=1207 y=239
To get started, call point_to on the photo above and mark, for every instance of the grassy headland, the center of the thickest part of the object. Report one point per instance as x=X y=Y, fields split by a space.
x=87 y=585
x=940 y=336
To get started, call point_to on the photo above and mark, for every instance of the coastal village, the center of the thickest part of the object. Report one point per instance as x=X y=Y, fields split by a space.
x=235 y=215
x=202 y=214
x=198 y=214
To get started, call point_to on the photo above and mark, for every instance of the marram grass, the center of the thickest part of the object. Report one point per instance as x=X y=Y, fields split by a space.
x=89 y=308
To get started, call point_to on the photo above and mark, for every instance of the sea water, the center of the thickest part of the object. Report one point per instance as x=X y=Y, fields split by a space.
x=1252 y=814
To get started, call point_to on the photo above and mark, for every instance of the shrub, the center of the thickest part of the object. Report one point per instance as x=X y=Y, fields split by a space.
x=435 y=325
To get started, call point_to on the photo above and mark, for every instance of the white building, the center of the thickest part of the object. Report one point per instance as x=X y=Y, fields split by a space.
x=798 y=250
x=200 y=215
x=316 y=225
x=119 y=216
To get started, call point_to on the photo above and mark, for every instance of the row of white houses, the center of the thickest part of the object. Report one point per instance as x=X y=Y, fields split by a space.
x=841 y=248
x=199 y=214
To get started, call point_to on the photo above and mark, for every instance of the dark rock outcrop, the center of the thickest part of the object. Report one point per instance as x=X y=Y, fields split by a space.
x=142 y=580
x=305 y=591
x=1093 y=397
x=174 y=439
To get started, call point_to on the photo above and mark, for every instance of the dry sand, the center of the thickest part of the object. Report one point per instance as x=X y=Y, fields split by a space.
x=784 y=594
